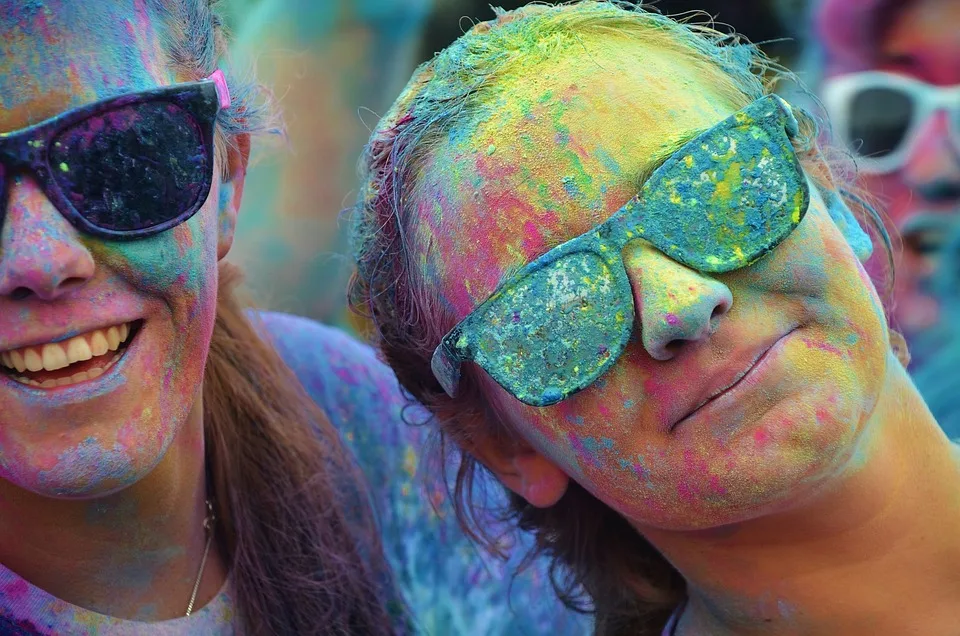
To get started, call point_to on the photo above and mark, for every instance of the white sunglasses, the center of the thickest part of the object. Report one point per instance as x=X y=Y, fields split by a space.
x=877 y=115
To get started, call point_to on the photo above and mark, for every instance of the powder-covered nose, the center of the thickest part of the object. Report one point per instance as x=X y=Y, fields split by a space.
x=41 y=254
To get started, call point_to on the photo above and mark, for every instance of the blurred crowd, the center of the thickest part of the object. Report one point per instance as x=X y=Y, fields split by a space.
x=885 y=74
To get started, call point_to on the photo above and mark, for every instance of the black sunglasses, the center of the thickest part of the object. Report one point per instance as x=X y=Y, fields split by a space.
x=127 y=167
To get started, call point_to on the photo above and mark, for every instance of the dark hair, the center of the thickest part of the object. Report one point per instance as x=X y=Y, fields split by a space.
x=305 y=557
x=632 y=587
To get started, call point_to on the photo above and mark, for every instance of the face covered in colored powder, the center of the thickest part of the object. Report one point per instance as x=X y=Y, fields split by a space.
x=738 y=391
x=133 y=318
x=920 y=187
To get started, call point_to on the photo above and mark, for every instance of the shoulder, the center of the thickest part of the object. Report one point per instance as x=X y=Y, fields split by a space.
x=341 y=374
x=443 y=577
x=359 y=394
x=315 y=349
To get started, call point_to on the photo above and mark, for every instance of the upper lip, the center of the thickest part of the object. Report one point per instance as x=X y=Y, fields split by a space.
x=42 y=338
x=724 y=381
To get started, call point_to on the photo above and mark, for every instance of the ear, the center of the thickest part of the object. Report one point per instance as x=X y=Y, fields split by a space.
x=523 y=470
x=848 y=224
x=231 y=192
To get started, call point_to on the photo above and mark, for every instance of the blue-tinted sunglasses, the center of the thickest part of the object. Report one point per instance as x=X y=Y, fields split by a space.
x=718 y=204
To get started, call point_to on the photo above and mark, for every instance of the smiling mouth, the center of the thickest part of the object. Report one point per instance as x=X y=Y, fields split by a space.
x=79 y=359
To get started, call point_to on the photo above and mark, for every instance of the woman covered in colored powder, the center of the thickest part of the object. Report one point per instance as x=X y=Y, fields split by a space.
x=163 y=459
x=623 y=278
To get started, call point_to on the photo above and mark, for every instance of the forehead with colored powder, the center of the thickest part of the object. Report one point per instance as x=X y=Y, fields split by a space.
x=557 y=150
x=58 y=54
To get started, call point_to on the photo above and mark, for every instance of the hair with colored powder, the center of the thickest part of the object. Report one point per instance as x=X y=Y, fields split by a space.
x=631 y=587
x=303 y=550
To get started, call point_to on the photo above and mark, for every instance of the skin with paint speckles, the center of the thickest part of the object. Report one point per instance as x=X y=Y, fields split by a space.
x=620 y=438
x=140 y=423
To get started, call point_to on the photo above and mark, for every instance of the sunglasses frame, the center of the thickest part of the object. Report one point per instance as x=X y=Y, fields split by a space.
x=459 y=345
x=838 y=93
x=28 y=149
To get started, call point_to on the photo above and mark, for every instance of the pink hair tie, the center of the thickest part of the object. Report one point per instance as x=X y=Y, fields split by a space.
x=223 y=91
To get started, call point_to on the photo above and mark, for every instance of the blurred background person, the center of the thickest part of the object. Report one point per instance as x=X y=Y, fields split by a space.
x=333 y=66
x=892 y=89
x=888 y=72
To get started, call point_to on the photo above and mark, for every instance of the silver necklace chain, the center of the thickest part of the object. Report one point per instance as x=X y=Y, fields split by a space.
x=208 y=522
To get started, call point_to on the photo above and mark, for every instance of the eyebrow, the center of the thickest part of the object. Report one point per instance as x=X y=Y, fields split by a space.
x=660 y=158
x=37 y=108
x=641 y=177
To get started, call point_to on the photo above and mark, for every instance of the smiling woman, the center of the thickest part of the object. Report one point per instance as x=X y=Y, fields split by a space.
x=623 y=279
x=146 y=431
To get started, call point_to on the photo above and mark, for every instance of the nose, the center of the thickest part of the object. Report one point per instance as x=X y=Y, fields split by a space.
x=675 y=305
x=41 y=255
x=933 y=169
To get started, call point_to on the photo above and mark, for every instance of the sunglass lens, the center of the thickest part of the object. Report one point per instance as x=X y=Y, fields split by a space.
x=729 y=199
x=879 y=121
x=556 y=331
x=133 y=168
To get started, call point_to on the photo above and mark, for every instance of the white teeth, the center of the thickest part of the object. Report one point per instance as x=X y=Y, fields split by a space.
x=98 y=344
x=83 y=376
x=33 y=360
x=78 y=350
x=54 y=357
x=113 y=338
x=60 y=355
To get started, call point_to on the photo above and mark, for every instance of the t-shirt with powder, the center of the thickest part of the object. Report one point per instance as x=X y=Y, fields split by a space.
x=448 y=584
x=26 y=610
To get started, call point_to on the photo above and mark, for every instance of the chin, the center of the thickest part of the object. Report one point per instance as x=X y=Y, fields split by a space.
x=776 y=459
x=89 y=466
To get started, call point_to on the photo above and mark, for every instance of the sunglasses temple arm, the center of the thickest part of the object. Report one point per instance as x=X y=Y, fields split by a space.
x=446 y=368
x=223 y=91
x=792 y=126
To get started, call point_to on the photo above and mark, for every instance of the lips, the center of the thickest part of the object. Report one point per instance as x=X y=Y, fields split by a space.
x=725 y=383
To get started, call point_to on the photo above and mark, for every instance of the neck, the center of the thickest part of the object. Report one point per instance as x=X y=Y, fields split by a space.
x=873 y=553
x=134 y=554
